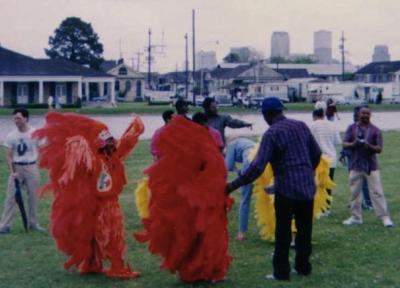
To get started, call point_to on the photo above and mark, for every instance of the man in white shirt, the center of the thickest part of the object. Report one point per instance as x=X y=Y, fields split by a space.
x=327 y=135
x=22 y=155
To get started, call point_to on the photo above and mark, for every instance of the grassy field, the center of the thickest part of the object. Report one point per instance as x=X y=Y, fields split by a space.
x=362 y=256
x=144 y=108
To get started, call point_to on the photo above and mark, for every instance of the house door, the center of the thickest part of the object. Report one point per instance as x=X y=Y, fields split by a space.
x=61 y=93
x=22 y=93
x=138 y=89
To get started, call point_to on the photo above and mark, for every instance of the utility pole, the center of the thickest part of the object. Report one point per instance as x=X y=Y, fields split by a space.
x=194 y=52
x=186 y=68
x=151 y=49
x=149 y=61
x=138 y=60
x=341 y=47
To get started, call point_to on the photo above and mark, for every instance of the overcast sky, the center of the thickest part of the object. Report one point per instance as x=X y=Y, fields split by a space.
x=25 y=25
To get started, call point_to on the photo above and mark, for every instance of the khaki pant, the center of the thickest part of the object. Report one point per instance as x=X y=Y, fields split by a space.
x=375 y=190
x=28 y=175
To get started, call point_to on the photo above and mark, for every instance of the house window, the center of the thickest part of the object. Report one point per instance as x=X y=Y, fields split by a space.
x=122 y=71
x=22 y=93
x=117 y=85
x=128 y=85
x=274 y=88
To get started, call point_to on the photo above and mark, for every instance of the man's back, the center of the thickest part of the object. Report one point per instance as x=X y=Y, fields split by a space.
x=293 y=153
x=327 y=135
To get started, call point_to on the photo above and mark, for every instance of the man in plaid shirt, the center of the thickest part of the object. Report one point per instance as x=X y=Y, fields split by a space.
x=294 y=154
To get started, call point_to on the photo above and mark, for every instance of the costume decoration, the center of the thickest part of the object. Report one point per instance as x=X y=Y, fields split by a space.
x=142 y=195
x=264 y=204
x=86 y=218
x=186 y=223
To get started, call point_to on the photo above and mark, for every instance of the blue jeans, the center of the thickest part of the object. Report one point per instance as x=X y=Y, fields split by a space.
x=245 y=197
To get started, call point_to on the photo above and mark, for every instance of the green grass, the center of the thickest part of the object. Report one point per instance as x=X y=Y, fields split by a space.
x=144 y=108
x=362 y=256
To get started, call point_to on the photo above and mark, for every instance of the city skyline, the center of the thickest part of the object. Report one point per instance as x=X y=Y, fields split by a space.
x=26 y=26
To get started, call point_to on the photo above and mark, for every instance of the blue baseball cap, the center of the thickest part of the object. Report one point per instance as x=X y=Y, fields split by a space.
x=272 y=104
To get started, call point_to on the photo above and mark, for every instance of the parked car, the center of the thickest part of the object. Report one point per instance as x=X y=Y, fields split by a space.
x=255 y=100
x=100 y=99
x=155 y=97
x=223 y=100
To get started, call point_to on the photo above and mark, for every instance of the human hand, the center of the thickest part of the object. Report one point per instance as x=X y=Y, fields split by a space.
x=14 y=175
x=228 y=189
x=342 y=160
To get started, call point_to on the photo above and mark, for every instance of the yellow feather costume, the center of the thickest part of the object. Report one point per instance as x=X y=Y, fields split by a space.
x=142 y=196
x=264 y=202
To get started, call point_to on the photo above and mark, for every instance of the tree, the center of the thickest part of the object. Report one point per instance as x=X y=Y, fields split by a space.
x=277 y=59
x=232 y=58
x=76 y=41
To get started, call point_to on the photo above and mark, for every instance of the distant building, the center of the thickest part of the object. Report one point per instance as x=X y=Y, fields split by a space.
x=331 y=72
x=323 y=46
x=280 y=45
x=206 y=60
x=129 y=84
x=238 y=78
x=379 y=72
x=25 y=80
x=381 y=54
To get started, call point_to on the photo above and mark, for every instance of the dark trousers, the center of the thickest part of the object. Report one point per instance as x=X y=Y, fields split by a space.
x=331 y=175
x=302 y=210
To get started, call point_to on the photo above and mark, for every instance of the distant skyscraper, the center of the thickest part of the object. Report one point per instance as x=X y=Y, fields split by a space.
x=323 y=46
x=280 y=45
x=206 y=60
x=381 y=53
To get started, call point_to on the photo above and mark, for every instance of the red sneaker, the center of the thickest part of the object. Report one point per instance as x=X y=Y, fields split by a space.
x=122 y=273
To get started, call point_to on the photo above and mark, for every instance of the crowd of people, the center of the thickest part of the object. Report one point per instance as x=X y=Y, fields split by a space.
x=186 y=221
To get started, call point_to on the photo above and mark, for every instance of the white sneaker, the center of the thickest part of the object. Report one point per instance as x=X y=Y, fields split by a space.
x=352 y=221
x=387 y=222
x=270 y=277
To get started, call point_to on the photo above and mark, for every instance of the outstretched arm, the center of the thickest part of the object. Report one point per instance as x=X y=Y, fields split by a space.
x=130 y=137
x=236 y=123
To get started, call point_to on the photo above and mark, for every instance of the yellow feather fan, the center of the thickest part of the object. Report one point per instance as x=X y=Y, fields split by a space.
x=142 y=196
x=264 y=202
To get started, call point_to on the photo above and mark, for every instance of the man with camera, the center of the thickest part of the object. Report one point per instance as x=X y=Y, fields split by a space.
x=365 y=141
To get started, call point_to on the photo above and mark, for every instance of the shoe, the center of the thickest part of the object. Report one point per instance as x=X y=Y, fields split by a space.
x=272 y=277
x=241 y=236
x=326 y=213
x=124 y=272
x=5 y=230
x=37 y=228
x=352 y=221
x=387 y=222
x=301 y=273
x=216 y=281
x=367 y=207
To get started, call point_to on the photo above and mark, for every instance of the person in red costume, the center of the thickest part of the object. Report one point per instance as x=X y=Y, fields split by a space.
x=86 y=175
x=187 y=224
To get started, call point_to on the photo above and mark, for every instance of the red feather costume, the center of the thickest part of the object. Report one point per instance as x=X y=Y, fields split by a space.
x=187 y=223
x=86 y=219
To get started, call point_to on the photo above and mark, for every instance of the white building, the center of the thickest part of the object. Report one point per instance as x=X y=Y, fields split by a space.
x=280 y=44
x=327 y=71
x=323 y=46
x=206 y=60
x=275 y=89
